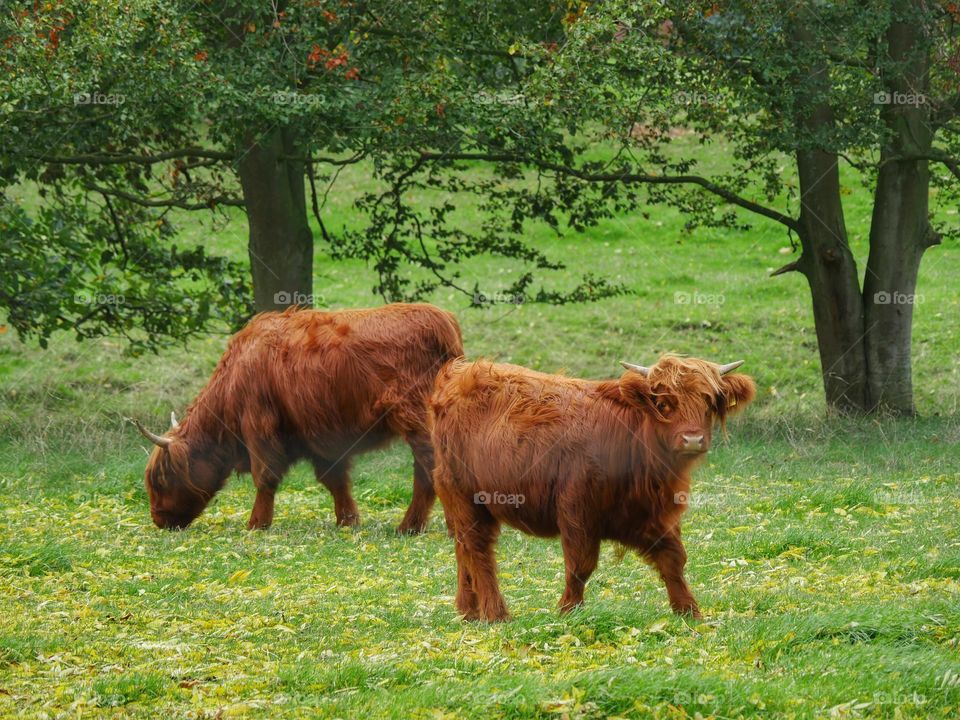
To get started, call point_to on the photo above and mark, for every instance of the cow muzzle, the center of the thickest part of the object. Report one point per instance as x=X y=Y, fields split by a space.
x=171 y=520
x=693 y=444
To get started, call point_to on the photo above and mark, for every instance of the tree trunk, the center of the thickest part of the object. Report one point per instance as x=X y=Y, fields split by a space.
x=826 y=260
x=900 y=230
x=899 y=233
x=831 y=271
x=280 y=241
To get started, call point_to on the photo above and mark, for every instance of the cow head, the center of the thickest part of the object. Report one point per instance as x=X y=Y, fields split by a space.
x=181 y=477
x=685 y=396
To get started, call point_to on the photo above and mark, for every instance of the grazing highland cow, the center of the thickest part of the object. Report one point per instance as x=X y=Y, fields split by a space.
x=323 y=386
x=585 y=460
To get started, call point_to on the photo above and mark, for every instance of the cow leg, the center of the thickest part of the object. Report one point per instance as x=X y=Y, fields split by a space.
x=336 y=478
x=580 y=554
x=457 y=510
x=261 y=517
x=475 y=534
x=466 y=601
x=418 y=514
x=669 y=557
x=478 y=542
x=266 y=479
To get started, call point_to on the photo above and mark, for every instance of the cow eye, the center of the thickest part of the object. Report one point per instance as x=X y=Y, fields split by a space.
x=663 y=406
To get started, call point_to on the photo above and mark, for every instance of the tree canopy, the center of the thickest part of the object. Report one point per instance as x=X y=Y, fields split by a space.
x=789 y=91
x=124 y=115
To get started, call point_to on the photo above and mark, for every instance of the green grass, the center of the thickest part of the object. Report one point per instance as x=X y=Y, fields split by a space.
x=825 y=552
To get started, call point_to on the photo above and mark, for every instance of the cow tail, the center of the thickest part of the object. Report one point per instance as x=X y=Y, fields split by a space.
x=450 y=338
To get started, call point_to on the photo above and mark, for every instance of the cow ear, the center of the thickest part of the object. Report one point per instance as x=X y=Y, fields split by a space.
x=635 y=389
x=738 y=392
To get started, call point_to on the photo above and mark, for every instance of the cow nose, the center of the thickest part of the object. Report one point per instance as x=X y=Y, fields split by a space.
x=693 y=443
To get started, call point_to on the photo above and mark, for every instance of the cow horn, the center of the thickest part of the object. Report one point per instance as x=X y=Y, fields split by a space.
x=174 y=425
x=157 y=440
x=645 y=371
x=730 y=367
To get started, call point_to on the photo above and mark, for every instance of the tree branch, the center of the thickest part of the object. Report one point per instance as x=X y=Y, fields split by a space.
x=169 y=202
x=110 y=159
x=315 y=205
x=118 y=229
x=935 y=155
x=625 y=177
x=950 y=110
x=851 y=62
x=310 y=159
x=950 y=162
x=789 y=267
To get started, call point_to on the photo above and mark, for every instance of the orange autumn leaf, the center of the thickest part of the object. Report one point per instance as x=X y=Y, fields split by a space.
x=336 y=61
x=316 y=54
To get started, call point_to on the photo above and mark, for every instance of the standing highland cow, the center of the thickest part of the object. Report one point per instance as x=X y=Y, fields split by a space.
x=323 y=386
x=588 y=461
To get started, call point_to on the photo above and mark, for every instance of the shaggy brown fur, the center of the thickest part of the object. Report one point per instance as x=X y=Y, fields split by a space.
x=585 y=460
x=323 y=386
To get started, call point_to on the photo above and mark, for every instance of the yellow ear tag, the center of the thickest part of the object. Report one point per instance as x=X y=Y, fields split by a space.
x=733 y=403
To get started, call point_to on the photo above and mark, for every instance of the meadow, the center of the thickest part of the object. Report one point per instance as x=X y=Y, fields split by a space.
x=824 y=551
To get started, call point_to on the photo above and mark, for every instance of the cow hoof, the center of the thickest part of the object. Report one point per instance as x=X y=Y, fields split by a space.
x=486 y=620
x=411 y=528
x=348 y=521
x=494 y=612
x=257 y=525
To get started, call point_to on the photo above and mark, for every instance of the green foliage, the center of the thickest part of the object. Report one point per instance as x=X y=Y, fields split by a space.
x=120 y=114
x=516 y=117
x=71 y=268
x=93 y=253
x=590 y=117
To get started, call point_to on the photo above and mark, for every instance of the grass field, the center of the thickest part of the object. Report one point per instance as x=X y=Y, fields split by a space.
x=825 y=552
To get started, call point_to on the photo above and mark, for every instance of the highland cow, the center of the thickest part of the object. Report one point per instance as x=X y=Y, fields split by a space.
x=586 y=460
x=306 y=384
